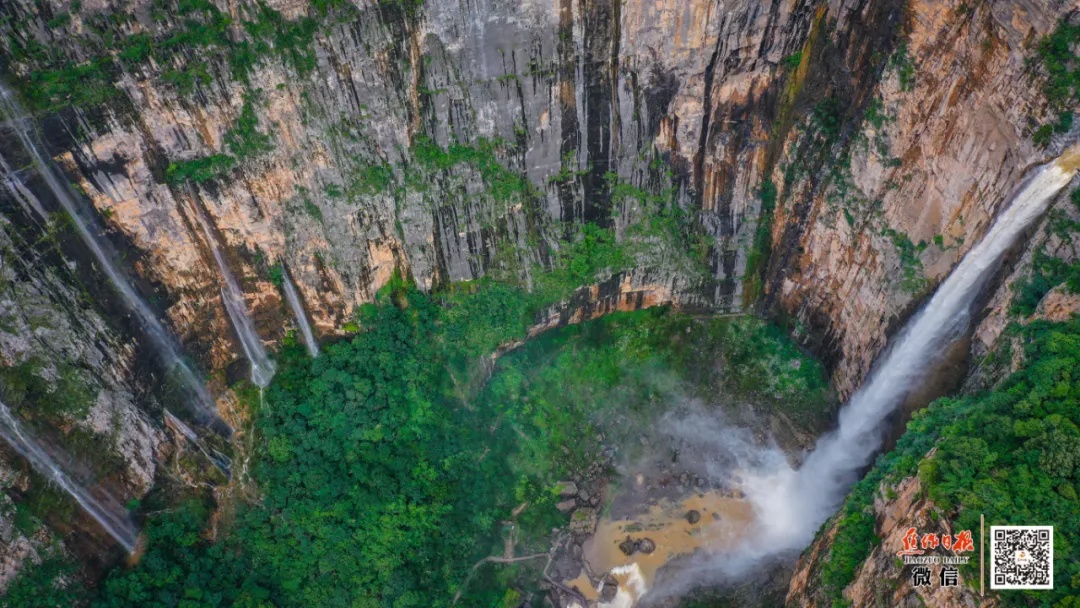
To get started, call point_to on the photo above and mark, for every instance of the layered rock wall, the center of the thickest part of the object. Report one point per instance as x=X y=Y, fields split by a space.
x=593 y=104
x=872 y=140
x=943 y=140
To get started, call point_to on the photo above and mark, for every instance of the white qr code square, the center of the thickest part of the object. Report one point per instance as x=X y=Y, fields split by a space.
x=1021 y=557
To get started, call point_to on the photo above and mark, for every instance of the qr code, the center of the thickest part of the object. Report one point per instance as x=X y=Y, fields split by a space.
x=1021 y=557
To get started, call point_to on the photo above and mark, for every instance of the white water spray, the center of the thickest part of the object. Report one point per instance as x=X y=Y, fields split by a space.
x=790 y=505
x=262 y=368
x=162 y=341
x=298 y=311
x=106 y=510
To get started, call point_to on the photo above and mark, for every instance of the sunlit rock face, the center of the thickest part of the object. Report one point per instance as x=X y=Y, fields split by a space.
x=952 y=145
x=704 y=99
x=661 y=96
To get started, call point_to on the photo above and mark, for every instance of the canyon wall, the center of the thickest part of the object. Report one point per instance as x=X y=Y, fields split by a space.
x=562 y=113
x=872 y=140
x=73 y=377
x=943 y=141
x=594 y=105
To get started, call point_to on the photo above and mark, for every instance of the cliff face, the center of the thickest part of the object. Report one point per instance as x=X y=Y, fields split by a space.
x=585 y=101
x=943 y=143
x=596 y=106
x=70 y=374
x=453 y=141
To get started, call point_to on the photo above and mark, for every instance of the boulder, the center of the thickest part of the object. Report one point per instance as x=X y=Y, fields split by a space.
x=567 y=488
x=609 y=587
x=583 y=521
x=567 y=506
x=693 y=516
x=645 y=545
x=627 y=546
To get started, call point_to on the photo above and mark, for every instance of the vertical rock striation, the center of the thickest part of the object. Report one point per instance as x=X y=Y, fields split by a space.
x=831 y=160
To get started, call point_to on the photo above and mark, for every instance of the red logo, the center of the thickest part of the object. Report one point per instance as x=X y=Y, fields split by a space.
x=960 y=543
x=911 y=543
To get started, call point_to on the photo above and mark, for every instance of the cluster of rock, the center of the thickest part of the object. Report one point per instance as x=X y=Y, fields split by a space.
x=631 y=546
x=583 y=496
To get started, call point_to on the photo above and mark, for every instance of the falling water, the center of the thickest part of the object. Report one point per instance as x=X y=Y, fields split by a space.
x=222 y=462
x=107 y=511
x=21 y=193
x=163 y=343
x=817 y=488
x=298 y=310
x=262 y=368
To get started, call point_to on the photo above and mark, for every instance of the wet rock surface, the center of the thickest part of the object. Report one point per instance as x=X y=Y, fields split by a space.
x=610 y=588
x=644 y=545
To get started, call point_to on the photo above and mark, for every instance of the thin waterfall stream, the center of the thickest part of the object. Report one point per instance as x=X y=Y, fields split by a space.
x=105 y=509
x=262 y=367
x=298 y=311
x=219 y=460
x=163 y=342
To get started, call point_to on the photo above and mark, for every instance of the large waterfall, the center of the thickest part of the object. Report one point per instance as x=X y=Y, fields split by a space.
x=262 y=368
x=792 y=504
x=167 y=348
x=105 y=509
x=298 y=311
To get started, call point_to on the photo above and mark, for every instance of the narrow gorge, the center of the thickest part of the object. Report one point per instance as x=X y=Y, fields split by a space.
x=587 y=304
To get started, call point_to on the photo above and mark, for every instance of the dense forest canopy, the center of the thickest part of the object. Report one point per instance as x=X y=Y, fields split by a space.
x=383 y=468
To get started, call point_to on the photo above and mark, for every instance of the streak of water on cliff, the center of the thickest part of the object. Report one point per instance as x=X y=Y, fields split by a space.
x=105 y=509
x=21 y=193
x=219 y=460
x=168 y=350
x=262 y=368
x=298 y=310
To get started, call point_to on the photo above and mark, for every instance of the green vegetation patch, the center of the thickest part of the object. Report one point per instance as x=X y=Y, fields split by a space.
x=23 y=386
x=758 y=256
x=502 y=183
x=901 y=62
x=199 y=170
x=244 y=140
x=1060 y=62
x=912 y=279
x=43 y=585
x=1047 y=273
x=382 y=480
x=195 y=36
x=617 y=372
